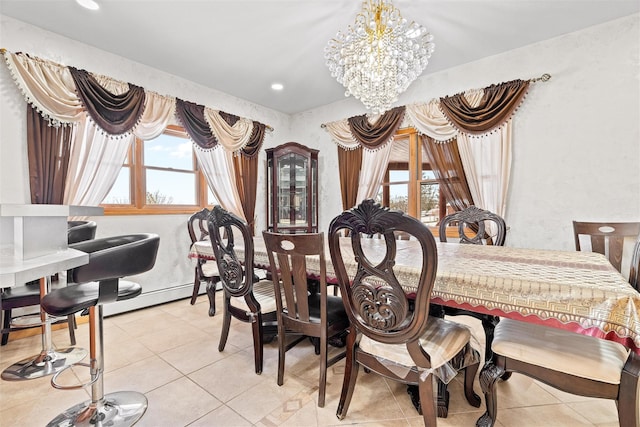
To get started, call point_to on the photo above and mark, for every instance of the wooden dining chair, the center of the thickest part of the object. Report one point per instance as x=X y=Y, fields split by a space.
x=478 y=227
x=245 y=298
x=391 y=333
x=574 y=363
x=205 y=270
x=607 y=238
x=301 y=312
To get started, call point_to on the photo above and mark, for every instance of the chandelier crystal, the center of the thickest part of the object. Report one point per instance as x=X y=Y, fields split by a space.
x=379 y=56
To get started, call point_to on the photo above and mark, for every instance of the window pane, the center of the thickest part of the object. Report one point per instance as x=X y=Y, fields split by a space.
x=428 y=174
x=170 y=188
x=398 y=175
x=429 y=197
x=120 y=193
x=398 y=197
x=168 y=151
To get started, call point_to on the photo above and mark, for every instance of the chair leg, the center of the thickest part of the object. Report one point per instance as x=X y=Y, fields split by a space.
x=282 y=350
x=226 y=324
x=71 y=325
x=427 y=403
x=6 y=324
x=350 y=375
x=256 y=326
x=323 y=371
x=469 y=377
x=488 y=377
x=196 y=287
x=211 y=294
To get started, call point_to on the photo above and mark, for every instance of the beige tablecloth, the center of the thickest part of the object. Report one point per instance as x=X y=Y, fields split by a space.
x=578 y=291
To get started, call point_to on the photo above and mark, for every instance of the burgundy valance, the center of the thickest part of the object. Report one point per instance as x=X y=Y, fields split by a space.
x=252 y=149
x=496 y=107
x=379 y=133
x=192 y=118
x=116 y=114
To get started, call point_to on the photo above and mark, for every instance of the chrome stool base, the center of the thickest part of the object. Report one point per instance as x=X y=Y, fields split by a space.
x=119 y=409
x=46 y=363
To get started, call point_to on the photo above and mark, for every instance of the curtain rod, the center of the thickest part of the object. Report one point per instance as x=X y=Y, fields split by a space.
x=543 y=78
x=267 y=127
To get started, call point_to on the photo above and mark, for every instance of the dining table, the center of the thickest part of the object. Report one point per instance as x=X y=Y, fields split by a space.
x=572 y=290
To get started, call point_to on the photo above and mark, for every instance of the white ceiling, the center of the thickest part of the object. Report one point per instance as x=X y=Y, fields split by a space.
x=241 y=47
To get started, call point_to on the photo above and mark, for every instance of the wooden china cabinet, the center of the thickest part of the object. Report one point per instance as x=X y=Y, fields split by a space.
x=292 y=189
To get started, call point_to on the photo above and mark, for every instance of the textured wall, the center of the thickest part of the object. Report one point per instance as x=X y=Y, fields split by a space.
x=576 y=138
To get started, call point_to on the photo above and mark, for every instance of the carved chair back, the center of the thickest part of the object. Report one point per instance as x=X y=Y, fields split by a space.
x=475 y=226
x=375 y=301
x=606 y=238
x=236 y=269
x=197 y=226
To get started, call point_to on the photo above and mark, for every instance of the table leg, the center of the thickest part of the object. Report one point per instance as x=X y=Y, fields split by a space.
x=49 y=360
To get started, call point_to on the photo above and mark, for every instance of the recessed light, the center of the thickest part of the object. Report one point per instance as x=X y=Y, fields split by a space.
x=88 y=4
x=277 y=86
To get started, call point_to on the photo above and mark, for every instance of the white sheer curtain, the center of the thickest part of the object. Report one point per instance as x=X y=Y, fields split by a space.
x=96 y=160
x=374 y=166
x=217 y=165
x=96 y=157
x=486 y=160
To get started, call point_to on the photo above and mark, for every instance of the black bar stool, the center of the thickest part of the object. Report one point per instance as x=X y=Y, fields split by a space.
x=99 y=282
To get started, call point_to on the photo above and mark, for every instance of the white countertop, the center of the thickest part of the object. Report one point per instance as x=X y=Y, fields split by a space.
x=19 y=271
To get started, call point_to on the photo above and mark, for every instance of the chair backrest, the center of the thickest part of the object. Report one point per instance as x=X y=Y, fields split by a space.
x=475 y=222
x=374 y=299
x=634 y=273
x=115 y=257
x=197 y=226
x=235 y=268
x=606 y=238
x=288 y=257
x=79 y=231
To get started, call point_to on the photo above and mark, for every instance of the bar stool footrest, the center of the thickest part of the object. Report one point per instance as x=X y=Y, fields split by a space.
x=55 y=384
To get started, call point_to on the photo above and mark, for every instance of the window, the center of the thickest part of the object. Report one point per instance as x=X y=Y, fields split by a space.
x=409 y=184
x=159 y=176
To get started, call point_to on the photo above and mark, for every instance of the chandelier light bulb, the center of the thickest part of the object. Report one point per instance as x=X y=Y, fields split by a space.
x=379 y=56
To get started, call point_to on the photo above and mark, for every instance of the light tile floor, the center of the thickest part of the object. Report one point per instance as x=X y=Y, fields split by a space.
x=169 y=353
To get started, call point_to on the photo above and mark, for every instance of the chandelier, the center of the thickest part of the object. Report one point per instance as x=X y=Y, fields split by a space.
x=378 y=57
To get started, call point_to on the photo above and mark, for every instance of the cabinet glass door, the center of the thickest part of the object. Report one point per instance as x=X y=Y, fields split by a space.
x=292 y=183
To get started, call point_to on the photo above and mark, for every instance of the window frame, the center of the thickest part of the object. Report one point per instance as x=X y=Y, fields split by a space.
x=137 y=183
x=415 y=165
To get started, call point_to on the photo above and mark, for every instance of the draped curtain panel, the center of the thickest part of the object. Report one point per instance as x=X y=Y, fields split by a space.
x=48 y=150
x=96 y=160
x=68 y=96
x=219 y=171
x=361 y=173
x=349 y=165
x=374 y=167
x=246 y=178
x=447 y=167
